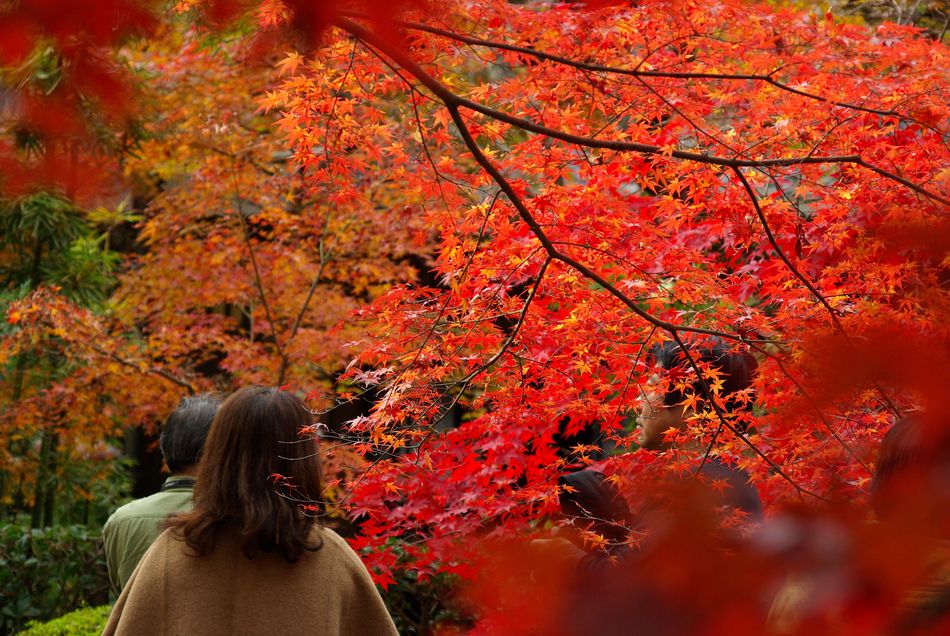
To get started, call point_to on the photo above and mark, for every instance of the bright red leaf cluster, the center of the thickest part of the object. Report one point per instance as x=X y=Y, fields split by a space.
x=607 y=180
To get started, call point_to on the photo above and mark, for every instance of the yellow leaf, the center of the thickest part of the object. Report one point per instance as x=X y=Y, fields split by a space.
x=290 y=64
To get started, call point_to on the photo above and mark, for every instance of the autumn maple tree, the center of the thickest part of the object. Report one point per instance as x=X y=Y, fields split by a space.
x=590 y=180
x=234 y=271
x=605 y=180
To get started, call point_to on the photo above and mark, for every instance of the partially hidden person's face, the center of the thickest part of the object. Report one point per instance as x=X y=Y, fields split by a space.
x=656 y=418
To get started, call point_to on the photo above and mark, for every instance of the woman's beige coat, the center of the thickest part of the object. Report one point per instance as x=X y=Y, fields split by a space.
x=326 y=592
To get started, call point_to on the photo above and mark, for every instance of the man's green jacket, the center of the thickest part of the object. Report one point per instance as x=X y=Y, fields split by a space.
x=132 y=528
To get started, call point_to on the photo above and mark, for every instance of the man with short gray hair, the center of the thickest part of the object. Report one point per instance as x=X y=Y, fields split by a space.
x=132 y=528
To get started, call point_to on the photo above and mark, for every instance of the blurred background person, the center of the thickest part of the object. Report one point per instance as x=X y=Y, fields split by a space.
x=907 y=591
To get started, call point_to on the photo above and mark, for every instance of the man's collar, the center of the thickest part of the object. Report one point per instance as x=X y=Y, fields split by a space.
x=178 y=482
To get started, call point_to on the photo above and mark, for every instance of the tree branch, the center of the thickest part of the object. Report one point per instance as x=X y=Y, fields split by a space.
x=453 y=100
x=811 y=288
x=246 y=231
x=324 y=258
x=631 y=72
x=673 y=330
x=152 y=370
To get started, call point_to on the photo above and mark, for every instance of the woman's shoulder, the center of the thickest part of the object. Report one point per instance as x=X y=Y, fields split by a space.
x=167 y=543
x=336 y=549
x=333 y=543
x=160 y=544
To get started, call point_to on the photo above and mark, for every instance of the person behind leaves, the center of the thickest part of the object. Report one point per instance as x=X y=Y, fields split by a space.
x=252 y=558
x=618 y=591
x=589 y=501
x=131 y=529
x=648 y=586
x=910 y=492
x=662 y=412
x=910 y=495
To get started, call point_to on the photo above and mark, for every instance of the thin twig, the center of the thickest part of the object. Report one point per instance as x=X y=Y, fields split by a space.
x=807 y=283
x=153 y=370
x=246 y=231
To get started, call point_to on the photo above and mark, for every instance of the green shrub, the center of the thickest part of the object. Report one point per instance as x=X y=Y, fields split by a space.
x=47 y=573
x=88 y=621
x=422 y=607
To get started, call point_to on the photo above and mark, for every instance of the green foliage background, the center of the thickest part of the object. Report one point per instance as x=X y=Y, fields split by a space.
x=48 y=572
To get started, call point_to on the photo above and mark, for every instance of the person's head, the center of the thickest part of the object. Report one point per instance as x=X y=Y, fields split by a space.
x=911 y=483
x=256 y=473
x=183 y=436
x=664 y=403
x=590 y=501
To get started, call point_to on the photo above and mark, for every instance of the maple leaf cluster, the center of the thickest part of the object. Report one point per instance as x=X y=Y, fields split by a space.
x=236 y=271
x=605 y=181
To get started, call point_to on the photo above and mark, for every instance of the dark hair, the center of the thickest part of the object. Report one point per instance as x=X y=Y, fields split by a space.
x=257 y=472
x=588 y=496
x=912 y=449
x=186 y=429
x=737 y=369
x=911 y=489
x=900 y=446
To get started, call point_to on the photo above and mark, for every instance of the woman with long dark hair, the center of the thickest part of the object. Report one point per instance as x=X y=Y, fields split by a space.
x=250 y=559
